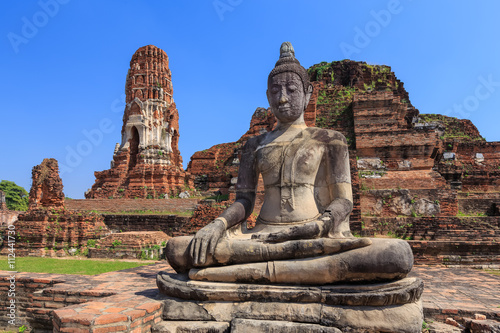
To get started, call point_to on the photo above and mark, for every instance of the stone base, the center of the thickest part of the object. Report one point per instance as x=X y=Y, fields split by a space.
x=382 y=307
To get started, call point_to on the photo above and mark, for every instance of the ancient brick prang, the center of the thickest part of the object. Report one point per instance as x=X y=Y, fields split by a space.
x=147 y=163
x=46 y=188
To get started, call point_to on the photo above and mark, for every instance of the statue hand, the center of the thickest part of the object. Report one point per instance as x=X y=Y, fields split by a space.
x=205 y=240
x=304 y=231
x=315 y=229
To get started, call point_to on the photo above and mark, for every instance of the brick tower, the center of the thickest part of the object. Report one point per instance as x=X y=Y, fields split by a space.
x=147 y=163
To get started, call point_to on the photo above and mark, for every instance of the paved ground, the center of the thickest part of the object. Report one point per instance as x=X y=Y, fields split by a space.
x=449 y=292
x=459 y=292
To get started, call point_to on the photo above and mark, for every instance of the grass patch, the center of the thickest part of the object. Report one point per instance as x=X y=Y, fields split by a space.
x=493 y=271
x=68 y=266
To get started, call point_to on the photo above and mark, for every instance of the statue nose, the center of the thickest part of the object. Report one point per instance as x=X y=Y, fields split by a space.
x=283 y=98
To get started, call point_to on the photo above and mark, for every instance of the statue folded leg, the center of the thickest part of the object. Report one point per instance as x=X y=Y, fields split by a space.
x=236 y=251
x=384 y=259
x=324 y=260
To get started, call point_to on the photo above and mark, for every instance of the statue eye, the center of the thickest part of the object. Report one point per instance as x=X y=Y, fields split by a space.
x=292 y=87
x=275 y=89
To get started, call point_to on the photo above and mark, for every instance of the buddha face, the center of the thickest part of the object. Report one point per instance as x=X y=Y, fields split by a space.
x=287 y=97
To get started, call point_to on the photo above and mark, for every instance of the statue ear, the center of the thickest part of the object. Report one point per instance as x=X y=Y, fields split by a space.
x=309 y=92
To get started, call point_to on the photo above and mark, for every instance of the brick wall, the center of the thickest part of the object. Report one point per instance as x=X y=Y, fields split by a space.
x=172 y=225
x=388 y=203
x=51 y=232
x=36 y=301
x=130 y=205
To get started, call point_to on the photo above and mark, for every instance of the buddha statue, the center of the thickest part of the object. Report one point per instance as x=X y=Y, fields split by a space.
x=302 y=233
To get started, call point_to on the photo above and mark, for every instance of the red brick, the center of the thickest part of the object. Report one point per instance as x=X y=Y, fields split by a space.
x=83 y=319
x=53 y=305
x=42 y=280
x=74 y=330
x=110 y=319
x=149 y=307
x=120 y=328
x=134 y=314
x=147 y=319
x=113 y=310
x=64 y=315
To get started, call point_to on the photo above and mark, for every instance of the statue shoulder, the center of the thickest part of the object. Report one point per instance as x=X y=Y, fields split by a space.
x=253 y=142
x=327 y=136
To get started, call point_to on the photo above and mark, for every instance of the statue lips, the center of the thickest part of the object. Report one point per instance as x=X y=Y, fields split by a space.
x=289 y=113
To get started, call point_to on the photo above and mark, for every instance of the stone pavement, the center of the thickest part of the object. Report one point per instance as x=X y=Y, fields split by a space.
x=127 y=300
x=458 y=292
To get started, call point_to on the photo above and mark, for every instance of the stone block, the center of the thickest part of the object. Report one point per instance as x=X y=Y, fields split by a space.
x=191 y=327
x=270 y=326
x=184 y=310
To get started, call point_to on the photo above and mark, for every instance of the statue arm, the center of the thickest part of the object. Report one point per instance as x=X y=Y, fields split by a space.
x=248 y=177
x=204 y=242
x=339 y=184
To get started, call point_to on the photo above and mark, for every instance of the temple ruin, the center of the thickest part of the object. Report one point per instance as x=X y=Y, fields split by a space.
x=147 y=163
x=48 y=228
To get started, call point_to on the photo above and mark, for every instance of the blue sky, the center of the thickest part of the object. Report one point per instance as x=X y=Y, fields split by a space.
x=64 y=64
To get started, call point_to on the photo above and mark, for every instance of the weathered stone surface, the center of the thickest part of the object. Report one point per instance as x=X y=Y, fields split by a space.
x=46 y=187
x=147 y=163
x=293 y=312
x=398 y=292
x=191 y=327
x=269 y=326
x=266 y=305
x=405 y=318
x=184 y=310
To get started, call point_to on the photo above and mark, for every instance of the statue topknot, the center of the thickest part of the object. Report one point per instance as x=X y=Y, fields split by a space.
x=288 y=63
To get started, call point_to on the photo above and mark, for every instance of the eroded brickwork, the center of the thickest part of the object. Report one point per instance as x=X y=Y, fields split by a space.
x=47 y=228
x=53 y=232
x=131 y=245
x=46 y=188
x=147 y=163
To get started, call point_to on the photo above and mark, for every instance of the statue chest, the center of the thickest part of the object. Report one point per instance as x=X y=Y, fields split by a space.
x=290 y=163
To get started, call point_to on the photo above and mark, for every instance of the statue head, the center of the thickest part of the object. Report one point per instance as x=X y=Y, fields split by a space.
x=288 y=86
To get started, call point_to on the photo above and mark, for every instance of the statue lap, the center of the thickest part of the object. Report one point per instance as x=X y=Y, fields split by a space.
x=383 y=259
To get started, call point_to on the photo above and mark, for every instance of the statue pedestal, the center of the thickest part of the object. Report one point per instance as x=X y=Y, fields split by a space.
x=196 y=306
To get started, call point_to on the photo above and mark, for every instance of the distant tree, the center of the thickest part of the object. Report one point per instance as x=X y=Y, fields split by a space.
x=16 y=197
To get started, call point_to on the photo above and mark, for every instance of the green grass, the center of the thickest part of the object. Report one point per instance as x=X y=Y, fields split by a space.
x=68 y=266
x=493 y=271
